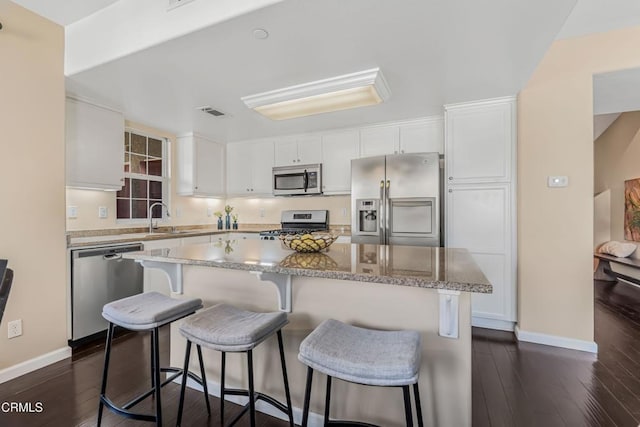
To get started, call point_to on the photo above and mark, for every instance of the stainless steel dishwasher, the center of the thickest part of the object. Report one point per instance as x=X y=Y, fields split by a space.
x=98 y=276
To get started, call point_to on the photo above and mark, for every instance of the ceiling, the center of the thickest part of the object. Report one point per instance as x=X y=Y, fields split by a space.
x=431 y=53
x=64 y=12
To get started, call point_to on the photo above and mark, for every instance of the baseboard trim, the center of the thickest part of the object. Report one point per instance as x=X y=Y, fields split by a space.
x=315 y=420
x=36 y=363
x=501 y=325
x=556 y=341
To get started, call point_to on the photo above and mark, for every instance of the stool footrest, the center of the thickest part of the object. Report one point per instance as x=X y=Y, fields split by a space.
x=344 y=423
x=257 y=396
x=122 y=412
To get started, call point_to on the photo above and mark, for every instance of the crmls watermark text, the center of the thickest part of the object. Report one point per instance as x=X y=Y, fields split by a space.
x=22 y=407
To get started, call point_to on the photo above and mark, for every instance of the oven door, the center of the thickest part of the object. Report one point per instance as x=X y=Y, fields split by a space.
x=297 y=180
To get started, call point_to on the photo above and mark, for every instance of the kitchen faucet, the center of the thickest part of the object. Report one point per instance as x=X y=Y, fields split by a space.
x=151 y=217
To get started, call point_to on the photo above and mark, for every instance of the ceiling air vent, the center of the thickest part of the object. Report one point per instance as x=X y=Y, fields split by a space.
x=209 y=110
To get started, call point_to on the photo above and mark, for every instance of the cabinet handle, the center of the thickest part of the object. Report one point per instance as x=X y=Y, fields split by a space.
x=252 y=189
x=450 y=178
x=298 y=160
x=402 y=151
x=450 y=191
x=196 y=188
x=395 y=152
x=247 y=189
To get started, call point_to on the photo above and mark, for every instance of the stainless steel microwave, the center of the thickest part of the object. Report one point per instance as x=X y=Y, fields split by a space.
x=297 y=180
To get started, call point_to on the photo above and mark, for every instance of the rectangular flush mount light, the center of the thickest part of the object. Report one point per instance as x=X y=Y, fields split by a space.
x=333 y=94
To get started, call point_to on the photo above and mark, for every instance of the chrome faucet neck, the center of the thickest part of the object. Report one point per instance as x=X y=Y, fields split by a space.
x=151 y=216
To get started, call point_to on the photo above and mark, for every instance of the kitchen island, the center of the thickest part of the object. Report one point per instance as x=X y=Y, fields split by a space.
x=375 y=286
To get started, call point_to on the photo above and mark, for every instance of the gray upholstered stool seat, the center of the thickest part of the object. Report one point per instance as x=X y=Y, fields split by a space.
x=148 y=310
x=226 y=328
x=363 y=356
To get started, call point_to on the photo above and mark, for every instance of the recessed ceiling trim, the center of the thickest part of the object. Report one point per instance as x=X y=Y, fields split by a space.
x=338 y=85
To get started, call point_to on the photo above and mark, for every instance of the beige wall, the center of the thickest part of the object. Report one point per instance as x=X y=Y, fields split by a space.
x=555 y=226
x=32 y=227
x=616 y=156
x=192 y=210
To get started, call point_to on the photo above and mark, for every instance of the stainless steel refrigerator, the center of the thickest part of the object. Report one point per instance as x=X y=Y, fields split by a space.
x=395 y=200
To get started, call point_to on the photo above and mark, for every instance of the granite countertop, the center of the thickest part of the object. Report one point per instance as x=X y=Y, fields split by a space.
x=77 y=239
x=425 y=267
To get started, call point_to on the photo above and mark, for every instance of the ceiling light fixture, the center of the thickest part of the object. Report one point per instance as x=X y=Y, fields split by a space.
x=333 y=94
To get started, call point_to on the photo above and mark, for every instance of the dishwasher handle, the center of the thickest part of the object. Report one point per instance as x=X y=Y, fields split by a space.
x=112 y=257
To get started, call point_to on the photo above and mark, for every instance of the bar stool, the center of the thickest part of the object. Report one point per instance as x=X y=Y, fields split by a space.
x=146 y=312
x=225 y=328
x=362 y=356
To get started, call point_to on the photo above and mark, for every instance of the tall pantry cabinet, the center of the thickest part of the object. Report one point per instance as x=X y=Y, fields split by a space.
x=480 y=161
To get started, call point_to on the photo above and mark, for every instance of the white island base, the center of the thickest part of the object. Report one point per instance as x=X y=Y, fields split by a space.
x=445 y=375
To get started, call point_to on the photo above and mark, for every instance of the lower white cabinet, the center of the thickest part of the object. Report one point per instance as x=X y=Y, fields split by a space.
x=480 y=218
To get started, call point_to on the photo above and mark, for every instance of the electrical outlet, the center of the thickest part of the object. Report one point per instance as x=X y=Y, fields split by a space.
x=344 y=212
x=209 y=211
x=261 y=212
x=103 y=212
x=15 y=328
x=72 y=212
x=178 y=212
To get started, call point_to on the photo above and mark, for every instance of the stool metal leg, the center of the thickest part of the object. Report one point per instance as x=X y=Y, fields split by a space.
x=152 y=362
x=105 y=369
x=252 y=402
x=156 y=360
x=204 y=379
x=307 y=397
x=416 y=395
x=407 y=405
x=183 y=387
x=224 y=363
x=327 y=402
x=286 y=379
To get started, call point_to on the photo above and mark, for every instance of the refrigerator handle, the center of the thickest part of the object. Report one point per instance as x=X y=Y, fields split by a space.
x=381 y=214
x=386 y=213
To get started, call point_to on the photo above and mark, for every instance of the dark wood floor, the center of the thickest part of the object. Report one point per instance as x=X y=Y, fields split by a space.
x=514 y=384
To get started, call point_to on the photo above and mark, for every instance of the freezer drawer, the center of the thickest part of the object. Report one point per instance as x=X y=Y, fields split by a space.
x=99 y=276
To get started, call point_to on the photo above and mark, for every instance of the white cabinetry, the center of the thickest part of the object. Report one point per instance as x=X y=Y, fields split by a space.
x=338 y=149
x=480 y=141
x=480 y=200
x=200 y=167
x=379 y=140
x=301 y=150
x=94 y=146
x=249 y=168
x=416 y=136
x=422 y=136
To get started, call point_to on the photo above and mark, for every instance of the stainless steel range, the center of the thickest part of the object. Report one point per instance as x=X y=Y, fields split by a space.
x=298 y=222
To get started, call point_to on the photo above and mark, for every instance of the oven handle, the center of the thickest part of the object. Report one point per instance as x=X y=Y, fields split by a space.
x=306 y=180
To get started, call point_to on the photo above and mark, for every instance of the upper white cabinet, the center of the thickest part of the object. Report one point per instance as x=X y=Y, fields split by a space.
x=301 y=150
x=480 y=141
x=338 y=149
x=417 y=136
x=200 y=167
x=423 y=136
x=379 y=140
x=94 y=146
x=249 y=168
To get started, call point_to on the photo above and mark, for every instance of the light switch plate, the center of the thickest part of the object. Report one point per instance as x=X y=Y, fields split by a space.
x=209 y=211
x=261 y=212
x=72 y=212
x=103 y=212
x=557 y=181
